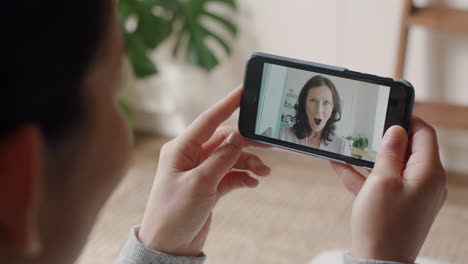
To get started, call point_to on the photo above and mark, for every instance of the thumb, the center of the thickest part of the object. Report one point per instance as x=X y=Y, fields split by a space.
x=390 y=159
x=221 y=160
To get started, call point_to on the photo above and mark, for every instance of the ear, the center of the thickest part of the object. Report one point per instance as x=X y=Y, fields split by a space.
x=21 y=169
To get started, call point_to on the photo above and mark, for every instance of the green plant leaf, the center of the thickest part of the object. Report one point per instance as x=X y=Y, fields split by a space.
x=231 y=3
x=126 y=8
x=228 y=24
x=218 y=39
x=127 y=111
x=152 y=29
x=176 y=47
x=190 y=14
x=175 y=17
x=142 y=65
x=199 y=54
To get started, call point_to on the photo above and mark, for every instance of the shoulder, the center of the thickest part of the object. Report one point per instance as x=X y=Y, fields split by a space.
x=339 y=140
x=343 y=145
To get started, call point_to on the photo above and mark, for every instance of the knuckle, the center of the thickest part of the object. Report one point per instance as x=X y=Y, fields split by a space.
x=226 y=151
x=431 y=131
x=436 y=181
x=167 y=148
x=393 y=157
x=442 y=179
x=389 y=184
x=440 y=182
x=223 y=157
x=197 y=182
x=444 y=195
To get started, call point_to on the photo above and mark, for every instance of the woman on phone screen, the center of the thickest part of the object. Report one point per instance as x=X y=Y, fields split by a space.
x=317 y=110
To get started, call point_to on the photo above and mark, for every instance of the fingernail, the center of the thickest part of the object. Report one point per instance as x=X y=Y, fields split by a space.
x=393 y=134
x=234 y=138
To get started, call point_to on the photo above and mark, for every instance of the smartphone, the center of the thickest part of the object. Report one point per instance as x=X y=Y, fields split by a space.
x=321 y=110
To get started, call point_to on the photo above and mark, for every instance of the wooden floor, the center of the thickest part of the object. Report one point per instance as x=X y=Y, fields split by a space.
x=297 y=212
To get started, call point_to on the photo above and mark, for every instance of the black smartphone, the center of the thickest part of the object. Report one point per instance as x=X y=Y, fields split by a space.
x=321 y=110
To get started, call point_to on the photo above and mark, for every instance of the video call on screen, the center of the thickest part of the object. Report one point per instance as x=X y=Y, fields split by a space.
x=321 y=111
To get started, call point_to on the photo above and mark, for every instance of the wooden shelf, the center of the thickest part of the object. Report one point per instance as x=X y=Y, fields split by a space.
x=441 y=18
x=443 y=115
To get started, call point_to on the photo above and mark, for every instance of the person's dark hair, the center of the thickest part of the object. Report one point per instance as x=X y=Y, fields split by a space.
x=301 y=126
x=48 y=48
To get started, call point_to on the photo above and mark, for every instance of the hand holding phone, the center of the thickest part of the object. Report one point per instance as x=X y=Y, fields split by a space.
x=398 y=202
x=321 y=110
x=195 y=170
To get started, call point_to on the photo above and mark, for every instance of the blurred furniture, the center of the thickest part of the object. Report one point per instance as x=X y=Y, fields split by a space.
x=439 y=18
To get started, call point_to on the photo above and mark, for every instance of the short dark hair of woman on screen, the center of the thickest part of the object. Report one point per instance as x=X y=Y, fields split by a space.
x=318 y=108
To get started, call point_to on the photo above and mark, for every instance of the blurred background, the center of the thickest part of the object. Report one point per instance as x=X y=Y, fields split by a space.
x=361 y=35
x=301 y=209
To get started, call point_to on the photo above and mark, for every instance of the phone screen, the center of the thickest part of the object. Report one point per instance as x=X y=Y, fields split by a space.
x=316 y=110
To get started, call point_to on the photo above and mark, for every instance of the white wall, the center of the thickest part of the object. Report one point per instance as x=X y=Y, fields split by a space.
x=271 y=100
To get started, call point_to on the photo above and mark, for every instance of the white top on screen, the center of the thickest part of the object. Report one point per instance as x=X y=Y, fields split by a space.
x=336 y=145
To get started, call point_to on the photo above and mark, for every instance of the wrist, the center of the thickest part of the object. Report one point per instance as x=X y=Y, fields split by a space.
x=381 y=253
x=155 y=241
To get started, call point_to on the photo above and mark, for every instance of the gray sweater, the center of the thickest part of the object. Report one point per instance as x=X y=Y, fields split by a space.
x=134 y=252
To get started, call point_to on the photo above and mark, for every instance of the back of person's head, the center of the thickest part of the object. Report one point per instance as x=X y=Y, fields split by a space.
x=62 y=137
x=48 y=46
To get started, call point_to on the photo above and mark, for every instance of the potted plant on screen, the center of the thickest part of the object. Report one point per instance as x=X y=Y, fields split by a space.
x=358 y=142
x=180 y=31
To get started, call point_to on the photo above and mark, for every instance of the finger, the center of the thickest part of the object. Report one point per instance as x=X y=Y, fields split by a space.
x=235 y=180
x=200 y=130
x=443 y=198
x=424 y=168
x=221 y=134
x=221 y=160
x=390 y=159
x=351 y=178
x=250 y=161
x=424 y=147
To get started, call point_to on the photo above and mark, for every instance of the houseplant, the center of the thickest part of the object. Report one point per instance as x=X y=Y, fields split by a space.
x=146 y=24
x=359 y=142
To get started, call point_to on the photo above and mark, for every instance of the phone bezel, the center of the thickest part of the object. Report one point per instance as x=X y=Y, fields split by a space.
x=399 y=111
